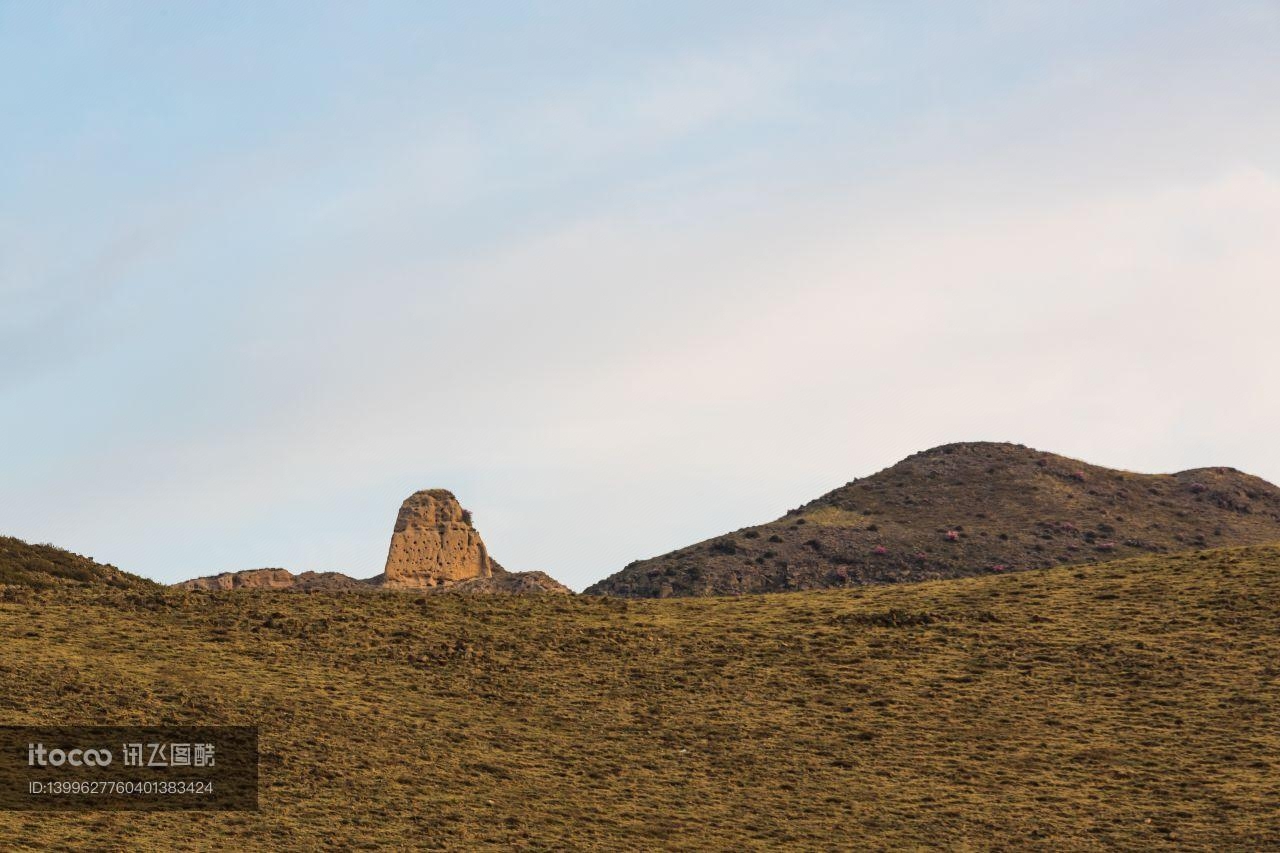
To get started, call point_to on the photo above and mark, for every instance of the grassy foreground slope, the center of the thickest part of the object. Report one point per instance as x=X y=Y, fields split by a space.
x=1131 y=704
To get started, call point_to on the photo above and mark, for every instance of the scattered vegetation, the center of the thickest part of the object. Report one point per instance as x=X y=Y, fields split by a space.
x=44 y=566
x=990 y=503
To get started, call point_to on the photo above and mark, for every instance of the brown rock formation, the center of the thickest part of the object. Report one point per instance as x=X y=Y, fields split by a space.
x=433 y=548
x=271 y=579
x=249 y=579
x=434 y=544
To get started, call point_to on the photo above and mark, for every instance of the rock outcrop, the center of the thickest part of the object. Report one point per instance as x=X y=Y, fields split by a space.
x=434 y=548
x=274 y=579
x=434 y=544
x=248 y=579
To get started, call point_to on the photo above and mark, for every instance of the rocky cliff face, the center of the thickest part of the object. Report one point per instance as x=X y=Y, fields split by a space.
x=433 y=544
x=249 y=579
x=274 y=579
x=434 y=547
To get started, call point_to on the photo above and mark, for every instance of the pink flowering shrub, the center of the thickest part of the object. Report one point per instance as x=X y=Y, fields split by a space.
x=999 y=567
x=1106 y=546
x=1077 y=475
x=879 y=549
x=1197 y=488
x=953 y=536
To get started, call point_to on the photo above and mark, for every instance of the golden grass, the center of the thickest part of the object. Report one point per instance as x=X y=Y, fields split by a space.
x=1125 y=705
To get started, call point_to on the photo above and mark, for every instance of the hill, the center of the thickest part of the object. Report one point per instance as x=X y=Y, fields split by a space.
x=41 y=566
x=1125 y=705
x=966 y=509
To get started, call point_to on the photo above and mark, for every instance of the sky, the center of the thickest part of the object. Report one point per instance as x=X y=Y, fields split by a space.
x=622 y=276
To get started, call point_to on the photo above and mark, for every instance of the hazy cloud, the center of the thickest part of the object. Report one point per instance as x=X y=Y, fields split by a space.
x=618 y=312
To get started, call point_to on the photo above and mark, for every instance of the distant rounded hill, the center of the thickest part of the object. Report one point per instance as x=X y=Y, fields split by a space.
x=967 y=509
x=44 y=566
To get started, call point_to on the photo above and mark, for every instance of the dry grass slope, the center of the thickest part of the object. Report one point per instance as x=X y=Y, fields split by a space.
x=44 y=566
x=966 y=509
x=1131 y=704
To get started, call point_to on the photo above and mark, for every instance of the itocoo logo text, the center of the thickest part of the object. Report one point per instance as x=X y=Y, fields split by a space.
x=38 y=756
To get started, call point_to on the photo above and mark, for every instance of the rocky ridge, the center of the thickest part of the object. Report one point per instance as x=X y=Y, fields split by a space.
x=274 y=579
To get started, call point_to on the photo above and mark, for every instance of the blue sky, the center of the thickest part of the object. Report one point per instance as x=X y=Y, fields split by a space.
x=623 y=276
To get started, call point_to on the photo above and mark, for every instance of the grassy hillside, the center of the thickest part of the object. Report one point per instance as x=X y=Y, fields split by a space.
x=44 y=566
x=1129 y=704
x=967 y=509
